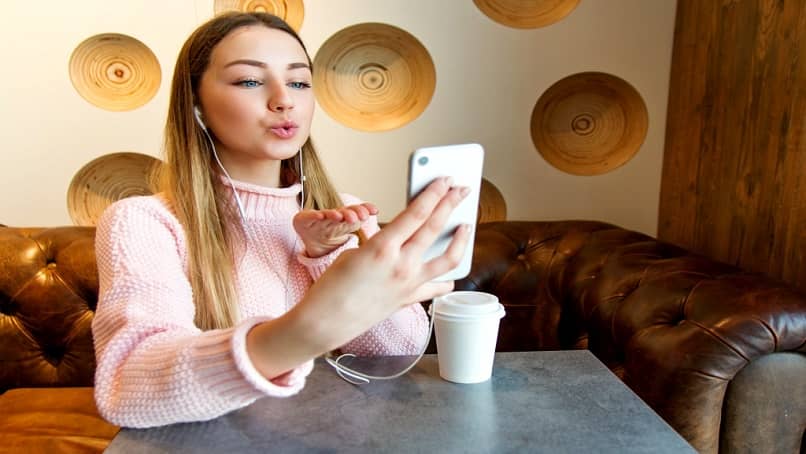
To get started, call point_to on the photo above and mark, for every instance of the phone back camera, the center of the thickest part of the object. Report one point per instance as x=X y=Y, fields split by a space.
x=423 y=160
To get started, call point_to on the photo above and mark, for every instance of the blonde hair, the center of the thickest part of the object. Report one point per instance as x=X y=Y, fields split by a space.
x=189 y=177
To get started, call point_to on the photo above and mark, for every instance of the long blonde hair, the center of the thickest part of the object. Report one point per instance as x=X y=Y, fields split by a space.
x=189 y=177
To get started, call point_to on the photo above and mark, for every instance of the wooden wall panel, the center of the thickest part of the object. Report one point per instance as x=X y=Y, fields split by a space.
x=734 y=174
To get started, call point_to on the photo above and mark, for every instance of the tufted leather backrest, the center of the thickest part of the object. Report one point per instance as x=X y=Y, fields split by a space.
x=48 y=292
x=586 y=284
x=537 y=272
x=523 y=263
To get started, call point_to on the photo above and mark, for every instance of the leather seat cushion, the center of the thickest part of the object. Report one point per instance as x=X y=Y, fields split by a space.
x=53 y=420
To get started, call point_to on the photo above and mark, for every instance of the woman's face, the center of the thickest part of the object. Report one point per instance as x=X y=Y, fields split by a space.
x=256 y=98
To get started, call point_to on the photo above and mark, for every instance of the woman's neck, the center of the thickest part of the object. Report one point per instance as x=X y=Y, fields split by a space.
x=261 y=172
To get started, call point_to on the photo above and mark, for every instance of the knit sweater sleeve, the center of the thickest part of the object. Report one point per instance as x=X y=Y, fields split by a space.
x=404 y=333
x=154 y=366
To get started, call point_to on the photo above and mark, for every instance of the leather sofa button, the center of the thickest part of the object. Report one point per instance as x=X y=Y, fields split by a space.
x=6 y=307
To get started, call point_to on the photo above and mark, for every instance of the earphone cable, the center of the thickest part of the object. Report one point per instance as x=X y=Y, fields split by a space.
x=360 y=378
x=248 y=234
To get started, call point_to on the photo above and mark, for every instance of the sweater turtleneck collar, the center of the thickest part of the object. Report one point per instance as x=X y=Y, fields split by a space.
x=262 y=202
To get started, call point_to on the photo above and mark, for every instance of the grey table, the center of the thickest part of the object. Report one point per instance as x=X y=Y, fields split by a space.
x=563 y=401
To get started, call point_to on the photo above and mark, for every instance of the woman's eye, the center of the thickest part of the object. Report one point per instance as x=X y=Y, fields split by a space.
x=299 y=85
x=249 y=83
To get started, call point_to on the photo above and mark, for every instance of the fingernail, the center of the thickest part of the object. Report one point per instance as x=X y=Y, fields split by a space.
x=465 y=191
x=448 y=181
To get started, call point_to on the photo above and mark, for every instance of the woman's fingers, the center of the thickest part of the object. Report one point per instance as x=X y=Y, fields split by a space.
x=365 y=208
x=430 y=290
x=452 y=256
x=416 y=213
x=332 y=215
x=351 y=214
x=306 y=218
x=428 y=232
x=371 y=208
x=361 y=212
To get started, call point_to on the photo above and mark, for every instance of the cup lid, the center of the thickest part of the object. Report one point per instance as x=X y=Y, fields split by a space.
x=467 y=304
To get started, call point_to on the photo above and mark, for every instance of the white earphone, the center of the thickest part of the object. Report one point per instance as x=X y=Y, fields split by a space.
x=301 y=181
x=197 y=114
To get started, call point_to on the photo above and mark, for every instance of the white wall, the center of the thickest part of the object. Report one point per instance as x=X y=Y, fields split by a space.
x=489 y=78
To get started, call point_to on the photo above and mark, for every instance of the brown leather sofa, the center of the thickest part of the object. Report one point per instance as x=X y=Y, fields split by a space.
x=719 y=353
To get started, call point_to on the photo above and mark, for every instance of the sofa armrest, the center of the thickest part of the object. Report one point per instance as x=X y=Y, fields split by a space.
x=681 y=326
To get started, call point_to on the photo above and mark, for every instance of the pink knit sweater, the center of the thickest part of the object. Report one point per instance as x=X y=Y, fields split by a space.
x=155 y=367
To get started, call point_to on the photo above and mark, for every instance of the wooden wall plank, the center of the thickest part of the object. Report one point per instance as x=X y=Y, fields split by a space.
x=734 y=175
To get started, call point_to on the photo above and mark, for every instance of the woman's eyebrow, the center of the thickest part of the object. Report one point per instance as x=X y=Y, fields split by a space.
x=244 y=61
x=299 y=66
x=260 y=64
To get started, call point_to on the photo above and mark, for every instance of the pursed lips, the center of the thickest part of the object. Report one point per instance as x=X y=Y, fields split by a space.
x=284 y=130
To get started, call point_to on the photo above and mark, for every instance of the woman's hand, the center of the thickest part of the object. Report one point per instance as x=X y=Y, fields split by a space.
x=323 y=231
x=366 y=285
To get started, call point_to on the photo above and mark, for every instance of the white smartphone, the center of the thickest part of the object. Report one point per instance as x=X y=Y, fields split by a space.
x=464 y=163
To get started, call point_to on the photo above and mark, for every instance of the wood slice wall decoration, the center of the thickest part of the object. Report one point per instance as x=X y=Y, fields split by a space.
x=589 y=123
x=373 y=77
x=526 y=13
x=115 y=72
x=107 y=179
x=492 y=206
x=291 y=11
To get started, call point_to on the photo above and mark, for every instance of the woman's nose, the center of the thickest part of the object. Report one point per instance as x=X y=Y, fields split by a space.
x=280 y=99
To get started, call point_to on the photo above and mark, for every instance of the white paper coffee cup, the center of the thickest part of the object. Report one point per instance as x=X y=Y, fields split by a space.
x=466 y=326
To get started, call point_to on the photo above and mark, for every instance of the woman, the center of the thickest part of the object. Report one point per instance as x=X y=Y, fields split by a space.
x=221 y=290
